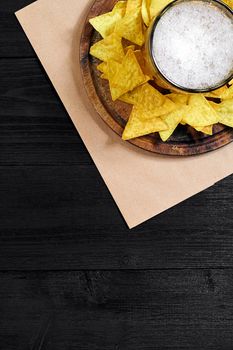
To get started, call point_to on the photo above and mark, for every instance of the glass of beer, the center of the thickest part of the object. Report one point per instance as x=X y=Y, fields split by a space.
x=189 y=46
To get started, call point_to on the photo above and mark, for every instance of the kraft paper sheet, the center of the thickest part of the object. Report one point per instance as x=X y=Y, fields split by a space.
x=142 y=184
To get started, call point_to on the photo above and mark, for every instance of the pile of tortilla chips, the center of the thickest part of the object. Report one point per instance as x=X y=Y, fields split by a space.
x=124 y=66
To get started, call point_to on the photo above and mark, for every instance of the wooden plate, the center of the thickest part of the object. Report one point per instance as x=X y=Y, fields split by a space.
x=185 y=141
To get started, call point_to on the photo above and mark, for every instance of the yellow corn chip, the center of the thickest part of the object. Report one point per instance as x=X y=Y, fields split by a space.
x=129 y=76
x=142 y=62
x=103 y=67
x=139 y=124
x=172 y=120
x=130 y=27
x=147 y=97
x=108 y=48
x=229 y=3
x=225 y=112
x=230 y=82
x=133 y=5
x=105 y=24
x=113 y=68
x=130 y=47
x=206 y=129
x=200 y=112
x=216 y=93
x=146 y=12
x=227 y=94
x=179 y=98
x=157 y=6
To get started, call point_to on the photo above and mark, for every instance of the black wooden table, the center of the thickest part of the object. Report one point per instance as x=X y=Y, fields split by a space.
x=72 y=276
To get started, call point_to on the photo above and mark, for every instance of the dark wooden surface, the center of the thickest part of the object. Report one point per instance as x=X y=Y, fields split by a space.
x=72 y=276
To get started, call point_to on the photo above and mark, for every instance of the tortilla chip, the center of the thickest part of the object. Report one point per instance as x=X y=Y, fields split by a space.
x=133 y=5
x=157 y=6
x=146 y=12
x=139 y=124
x=150 y=99
x=200 y=112
x=179 y=98
x=172 y=120
x=103 y=67
x=225 y=112
x=109 y=48
x=105 y=24
x=206 y=129
x=129 y=76
x=130 y=27
x=229 y=3
x=130 y=47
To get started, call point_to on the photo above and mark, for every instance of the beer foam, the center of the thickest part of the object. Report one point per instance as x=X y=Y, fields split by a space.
x=192 y=44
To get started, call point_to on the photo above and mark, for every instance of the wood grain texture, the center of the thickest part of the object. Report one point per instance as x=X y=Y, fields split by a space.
x=56 y=212
x=149 y=288
x=157 y=310
x=13 y=41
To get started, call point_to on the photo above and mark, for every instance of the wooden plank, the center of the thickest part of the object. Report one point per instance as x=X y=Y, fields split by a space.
x=13 y=41
x=55 y=210
x=63 y=217
x=117 y=310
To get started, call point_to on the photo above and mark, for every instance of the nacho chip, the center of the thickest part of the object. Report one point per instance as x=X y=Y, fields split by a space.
x=146 y=12
x=172 y=120
x=230 y=82
x=113 y=68
x=200 y=112
x=129 y=76
x=227 y=94
x=108 y=48
x=105 y=24
x=103 y=67
x=229 y=3
x=133 y=5
x=205 y=130
x=157 y=6
x=179 y=98
x=130 y=27
x=130 y=47
x=139 y=124
x=225 y=112
x=147 y=97
x=143 y=64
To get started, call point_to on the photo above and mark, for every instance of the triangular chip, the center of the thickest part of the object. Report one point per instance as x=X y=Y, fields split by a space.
x=130 y=47
x=105 y=24
x=172 y=120
x=200 y=112
x=229 y=3
x=103 y=67
x=139 y=124
x=230 y=82
x=205 y=129
x=142 y=62
x=179 y=98
x=108 y=48
x=130 y=27
x=146 y=12
x=225 y=112
x=147 y=97
x=157 y=6
x=227 y=94
x=129 y=76
x=133 y=5
x=216 y=93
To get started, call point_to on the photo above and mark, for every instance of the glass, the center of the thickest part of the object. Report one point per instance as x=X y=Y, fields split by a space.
x=156 y=72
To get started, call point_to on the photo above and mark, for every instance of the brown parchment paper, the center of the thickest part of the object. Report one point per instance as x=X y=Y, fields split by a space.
x=141 y=183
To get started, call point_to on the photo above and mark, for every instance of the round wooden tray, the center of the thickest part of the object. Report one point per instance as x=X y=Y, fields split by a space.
x=185 y=141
